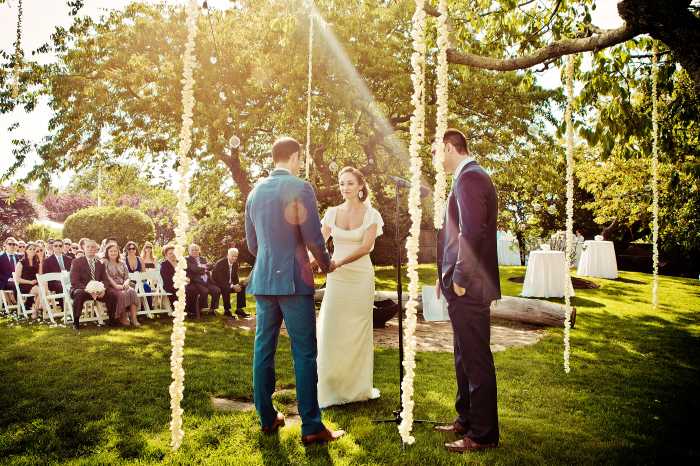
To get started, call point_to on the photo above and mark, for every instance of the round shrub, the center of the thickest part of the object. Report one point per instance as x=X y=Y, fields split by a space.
x=40 y=231
x=123 y=223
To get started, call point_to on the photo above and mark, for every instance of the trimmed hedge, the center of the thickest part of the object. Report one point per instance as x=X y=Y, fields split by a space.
x=37 y=231
x=123 y=223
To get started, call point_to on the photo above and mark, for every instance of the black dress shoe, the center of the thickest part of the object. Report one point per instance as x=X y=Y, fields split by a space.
x=242 y=314
x=76 y=326
x=228 y=314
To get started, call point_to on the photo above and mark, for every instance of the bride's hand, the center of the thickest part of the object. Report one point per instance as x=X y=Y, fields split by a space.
x=333 y=267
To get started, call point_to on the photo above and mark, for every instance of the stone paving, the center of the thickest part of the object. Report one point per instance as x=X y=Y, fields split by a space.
x=437 y=336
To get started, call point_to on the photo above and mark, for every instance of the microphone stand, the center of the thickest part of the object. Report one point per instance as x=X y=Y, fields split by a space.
x=399 y=292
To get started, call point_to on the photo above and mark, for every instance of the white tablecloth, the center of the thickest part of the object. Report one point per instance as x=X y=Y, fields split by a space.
x=598 y=260
x=508 y=252
x=545 y=275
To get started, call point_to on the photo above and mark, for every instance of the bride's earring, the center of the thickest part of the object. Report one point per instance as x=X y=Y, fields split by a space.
x=361 y=195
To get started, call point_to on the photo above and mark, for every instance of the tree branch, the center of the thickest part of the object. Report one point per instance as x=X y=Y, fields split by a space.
x=552 y=51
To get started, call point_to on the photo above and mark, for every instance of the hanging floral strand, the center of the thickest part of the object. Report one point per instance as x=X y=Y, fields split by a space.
x=18 y=52
x=414 y=207
x=177 y=338
x=655 y=172
x=569 y=205
x=308 y=96
x=442 y=111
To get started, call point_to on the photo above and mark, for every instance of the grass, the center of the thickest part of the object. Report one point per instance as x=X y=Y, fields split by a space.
x=101 y=397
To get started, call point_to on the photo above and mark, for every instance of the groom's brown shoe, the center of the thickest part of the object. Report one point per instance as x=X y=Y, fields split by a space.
x=466 y=444
x=455 y=427
x=276 y=424
x=322 y=437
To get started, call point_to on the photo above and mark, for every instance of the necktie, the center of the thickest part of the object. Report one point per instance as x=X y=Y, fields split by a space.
x=91 y=264
x=60 y=263
x=13 y=259
x=230 y=274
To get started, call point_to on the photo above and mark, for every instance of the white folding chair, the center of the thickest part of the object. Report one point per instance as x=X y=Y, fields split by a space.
x=26 y=313
x=50 y=299
x=160 y=304
x=9 y=304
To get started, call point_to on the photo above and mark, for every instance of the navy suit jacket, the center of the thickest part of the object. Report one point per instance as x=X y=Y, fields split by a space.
x=6 y=269
x=467 y=248
x=281 y=222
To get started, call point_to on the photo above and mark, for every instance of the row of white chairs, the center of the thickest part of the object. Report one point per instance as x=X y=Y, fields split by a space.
x=93 y=311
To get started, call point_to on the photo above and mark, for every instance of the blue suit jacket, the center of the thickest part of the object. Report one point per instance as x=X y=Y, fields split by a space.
x=467 y=247
x=6 y=269
x=281 y=222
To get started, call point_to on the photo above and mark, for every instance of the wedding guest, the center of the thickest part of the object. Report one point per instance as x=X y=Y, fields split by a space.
x=81 y=243
x=67 y=248
x=25 y=276
x=8 y=263
x=79 y=253
x=135 y=264
x=118 y=285
x=83 y=270
x=197 y=272
x=21 y=246
x=41 y=251
x=149 y=262
x=75 y=247
x=225 y=276
x=57 y=262
x=167 y=272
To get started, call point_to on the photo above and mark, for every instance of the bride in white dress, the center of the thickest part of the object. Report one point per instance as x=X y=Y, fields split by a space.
x=345 y=344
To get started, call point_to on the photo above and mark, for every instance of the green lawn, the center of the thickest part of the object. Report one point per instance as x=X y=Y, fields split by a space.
x=101 y=397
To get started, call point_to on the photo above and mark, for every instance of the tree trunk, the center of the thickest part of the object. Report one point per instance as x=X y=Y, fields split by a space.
x=523 y=310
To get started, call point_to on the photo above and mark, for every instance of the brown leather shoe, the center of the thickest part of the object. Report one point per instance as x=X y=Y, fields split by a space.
x=276 y=424
x=467 y=444
x=322 y=437
x=455 y=427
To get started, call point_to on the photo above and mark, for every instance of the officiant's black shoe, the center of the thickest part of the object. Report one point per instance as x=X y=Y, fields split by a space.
x=276 y=424
x=242 y=314
x=455 y=427
x=228 y=314
x=324 y=436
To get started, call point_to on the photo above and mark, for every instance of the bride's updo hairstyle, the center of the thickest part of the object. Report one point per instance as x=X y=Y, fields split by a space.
x=364 y=190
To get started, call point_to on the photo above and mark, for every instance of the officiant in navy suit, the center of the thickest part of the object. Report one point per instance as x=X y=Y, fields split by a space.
x=281 y=224
x=467 y=262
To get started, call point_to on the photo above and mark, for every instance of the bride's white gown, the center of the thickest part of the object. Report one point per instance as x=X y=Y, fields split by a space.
x=345 y=344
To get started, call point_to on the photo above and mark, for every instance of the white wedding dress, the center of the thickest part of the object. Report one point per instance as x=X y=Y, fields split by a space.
x=345 y=341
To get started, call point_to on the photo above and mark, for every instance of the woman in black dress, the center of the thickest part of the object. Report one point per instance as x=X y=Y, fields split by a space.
x=25 y=276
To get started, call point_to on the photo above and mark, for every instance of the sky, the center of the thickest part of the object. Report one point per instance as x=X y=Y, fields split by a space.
x=40 y=17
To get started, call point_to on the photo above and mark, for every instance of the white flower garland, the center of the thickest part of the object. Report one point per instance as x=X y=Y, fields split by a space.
x=18 y=53
x=569 y=205
x=177 y=338
x=308 y=96
x=655 y=173
x=414 y=207
x=442 y=111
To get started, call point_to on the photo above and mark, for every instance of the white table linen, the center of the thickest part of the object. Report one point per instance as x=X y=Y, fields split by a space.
x=545 y=275
x=598 y=260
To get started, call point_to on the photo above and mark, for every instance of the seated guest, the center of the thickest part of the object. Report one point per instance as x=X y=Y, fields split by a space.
x=135 y=264
x=147 y=258
x=167 y=272
x=25 y=276
x=75 y=247
x=79 y=253
x=8 y=262
x=67 y=248
x=118 y=285
x=21 y=246
x=82 y=271
x=225 y=276
x=57 y=262
x=81 y=243
x=197 y=272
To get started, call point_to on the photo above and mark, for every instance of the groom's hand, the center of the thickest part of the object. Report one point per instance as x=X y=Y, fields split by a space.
x=459 y=291
x=437 y=288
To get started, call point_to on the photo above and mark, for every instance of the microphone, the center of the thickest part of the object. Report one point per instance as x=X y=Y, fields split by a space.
x=404 y=183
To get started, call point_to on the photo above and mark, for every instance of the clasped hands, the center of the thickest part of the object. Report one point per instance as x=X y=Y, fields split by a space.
x=315 y=267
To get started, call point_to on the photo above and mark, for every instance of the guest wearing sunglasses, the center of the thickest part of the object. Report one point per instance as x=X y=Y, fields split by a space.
x=21 y=247
x=8 y=263
x=147 y=258
x=67 y=248
x=25 y=276
x=135 y=264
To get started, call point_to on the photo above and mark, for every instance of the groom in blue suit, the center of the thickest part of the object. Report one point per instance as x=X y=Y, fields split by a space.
x=281 y=224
